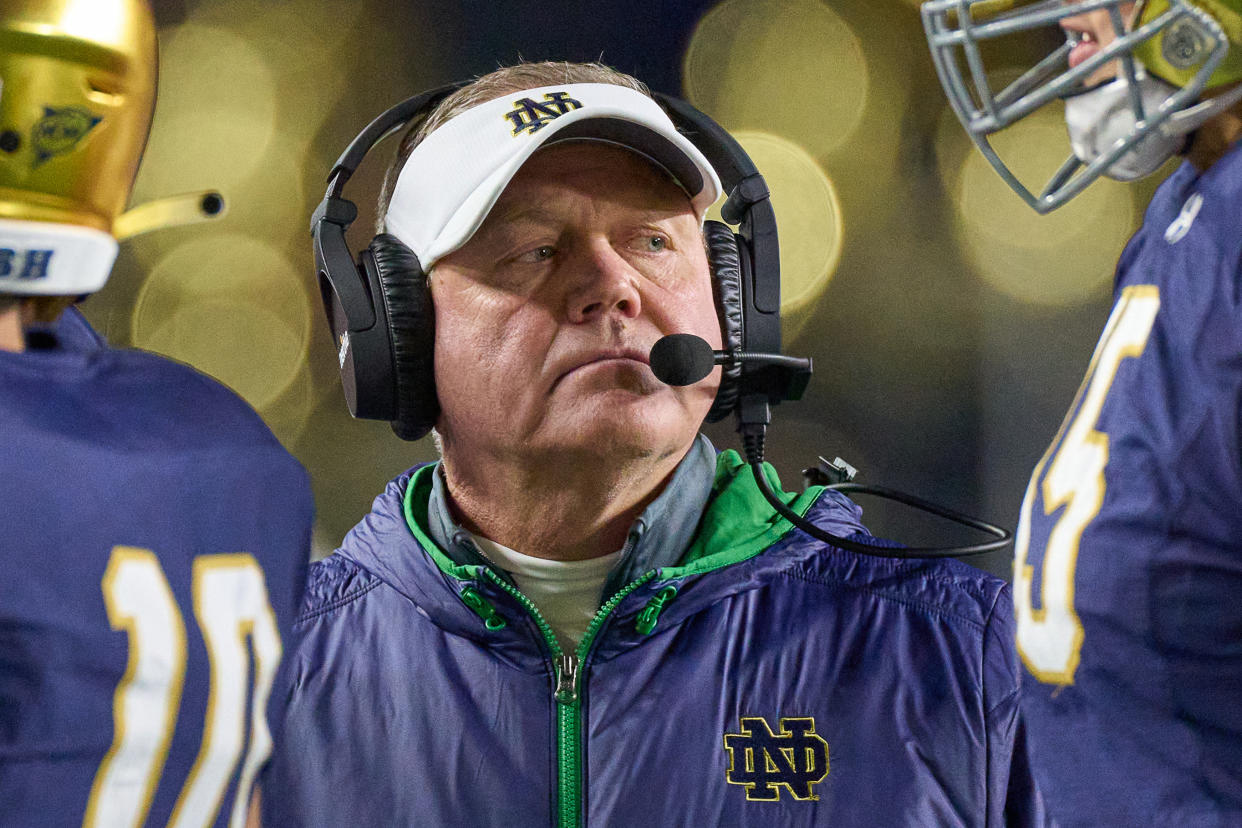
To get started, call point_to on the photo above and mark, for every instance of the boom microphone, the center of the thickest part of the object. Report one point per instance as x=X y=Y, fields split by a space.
x=684 y=359
x=681 y=359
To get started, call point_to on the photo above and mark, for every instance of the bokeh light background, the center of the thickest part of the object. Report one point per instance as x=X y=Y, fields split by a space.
x=948 y=322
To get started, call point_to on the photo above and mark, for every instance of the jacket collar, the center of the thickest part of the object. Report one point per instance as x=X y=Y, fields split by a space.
x=394 y=542
x=658 y=538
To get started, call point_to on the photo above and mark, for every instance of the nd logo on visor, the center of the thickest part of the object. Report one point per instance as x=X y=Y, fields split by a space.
x=530 y=116
x=764 y=762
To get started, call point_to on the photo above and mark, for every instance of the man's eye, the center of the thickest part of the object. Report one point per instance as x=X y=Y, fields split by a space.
x=539 y=254
x=654 y=244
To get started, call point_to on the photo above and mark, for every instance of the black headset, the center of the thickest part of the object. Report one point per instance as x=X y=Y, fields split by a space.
x=379 y=311
x=379 y=307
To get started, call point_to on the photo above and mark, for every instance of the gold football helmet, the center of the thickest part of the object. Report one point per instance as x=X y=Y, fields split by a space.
x=75 y=107
x=77 y=91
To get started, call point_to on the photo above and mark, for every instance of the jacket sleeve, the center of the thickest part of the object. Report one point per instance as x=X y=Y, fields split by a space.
x=1013 y=799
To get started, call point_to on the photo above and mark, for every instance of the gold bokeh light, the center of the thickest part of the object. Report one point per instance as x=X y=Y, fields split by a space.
x=808 y=215
x=306 y=44
x=233 y=307
x=790 y=67
x=1057 y=259
x=215 y=116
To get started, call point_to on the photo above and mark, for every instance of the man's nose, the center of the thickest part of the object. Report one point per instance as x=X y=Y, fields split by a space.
x=607 y=284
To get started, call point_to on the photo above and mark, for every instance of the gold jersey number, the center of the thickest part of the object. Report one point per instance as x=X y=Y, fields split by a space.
x=231 y=606
x=1071 y=476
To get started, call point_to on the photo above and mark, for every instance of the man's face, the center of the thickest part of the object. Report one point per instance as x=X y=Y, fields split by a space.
x=1095 y=31
x=545 y=318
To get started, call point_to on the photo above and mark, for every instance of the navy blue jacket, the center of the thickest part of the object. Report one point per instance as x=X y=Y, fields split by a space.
x=767 y=680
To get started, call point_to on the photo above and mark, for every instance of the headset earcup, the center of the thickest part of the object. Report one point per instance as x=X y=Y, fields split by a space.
x=411 y=323
x=726 y=266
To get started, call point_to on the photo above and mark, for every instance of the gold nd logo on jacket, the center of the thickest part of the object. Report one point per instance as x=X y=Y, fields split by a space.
x=764 y=762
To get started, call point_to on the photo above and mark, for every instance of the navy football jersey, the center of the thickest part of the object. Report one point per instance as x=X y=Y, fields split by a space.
x=154 y=538
x=1128 y=568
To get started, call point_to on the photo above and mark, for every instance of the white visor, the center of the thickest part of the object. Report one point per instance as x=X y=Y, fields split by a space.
x=40 y=258
x=454 y=176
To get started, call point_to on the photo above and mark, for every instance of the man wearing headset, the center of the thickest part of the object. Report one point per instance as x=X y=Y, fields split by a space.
x=582 y=614
x=1126 y=577
x=153 y=533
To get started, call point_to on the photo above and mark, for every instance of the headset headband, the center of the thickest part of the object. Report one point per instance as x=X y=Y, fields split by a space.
x=394 y=118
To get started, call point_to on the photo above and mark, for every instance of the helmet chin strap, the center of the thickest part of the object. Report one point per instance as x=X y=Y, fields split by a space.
x=1192 y=117
x=171 y=211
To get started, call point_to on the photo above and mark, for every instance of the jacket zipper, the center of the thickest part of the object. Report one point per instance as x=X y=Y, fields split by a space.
x=569 y=687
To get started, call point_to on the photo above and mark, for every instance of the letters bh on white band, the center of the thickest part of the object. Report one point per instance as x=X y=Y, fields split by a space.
x=46 y=259
x=454 y=176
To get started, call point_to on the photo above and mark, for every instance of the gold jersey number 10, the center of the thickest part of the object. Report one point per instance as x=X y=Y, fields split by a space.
x=1050 y=634
x=231 y=606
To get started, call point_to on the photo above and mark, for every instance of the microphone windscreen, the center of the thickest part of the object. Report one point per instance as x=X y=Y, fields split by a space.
x=681 y=359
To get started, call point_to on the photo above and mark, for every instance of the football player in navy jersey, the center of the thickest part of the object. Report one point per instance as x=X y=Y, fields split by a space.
x=1128 y=569
x=153 y=533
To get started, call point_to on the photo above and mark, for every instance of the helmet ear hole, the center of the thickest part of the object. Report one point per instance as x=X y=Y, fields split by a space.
x=104 y=86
